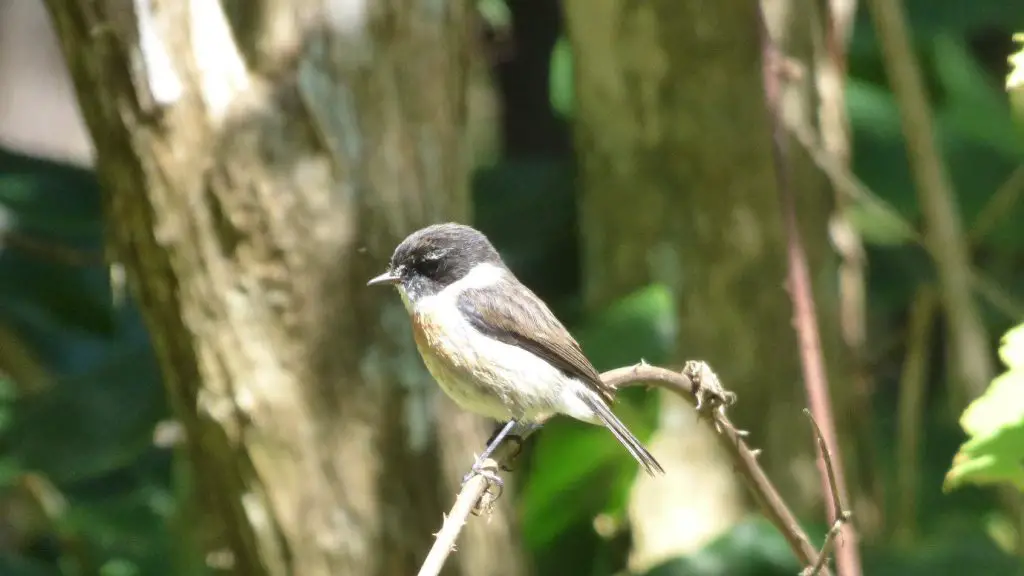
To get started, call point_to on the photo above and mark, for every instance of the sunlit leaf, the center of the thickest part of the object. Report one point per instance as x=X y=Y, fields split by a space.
x=994 y=453
x=1015 y=79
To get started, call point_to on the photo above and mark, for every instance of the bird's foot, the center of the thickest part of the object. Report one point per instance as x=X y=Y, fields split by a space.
x=479 y=469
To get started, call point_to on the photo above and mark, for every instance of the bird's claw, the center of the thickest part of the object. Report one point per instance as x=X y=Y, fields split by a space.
x=491 y=476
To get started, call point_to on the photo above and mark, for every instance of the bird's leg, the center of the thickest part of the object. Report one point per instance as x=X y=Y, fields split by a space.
x=498 y=430
x=527 y=429
x=492 y=445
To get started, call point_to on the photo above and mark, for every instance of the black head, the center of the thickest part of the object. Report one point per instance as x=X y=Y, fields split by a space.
x=434 y=257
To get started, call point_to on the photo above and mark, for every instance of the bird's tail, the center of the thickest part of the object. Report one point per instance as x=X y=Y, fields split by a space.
x=621 y=433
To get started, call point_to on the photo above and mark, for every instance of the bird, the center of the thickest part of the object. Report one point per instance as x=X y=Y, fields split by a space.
x=493 y=346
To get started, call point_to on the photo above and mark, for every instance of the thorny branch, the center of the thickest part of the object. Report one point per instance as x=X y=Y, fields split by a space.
x=473 y=497
x=841 y=514
x=805 y=315
x=805 y=319
x=699 y=386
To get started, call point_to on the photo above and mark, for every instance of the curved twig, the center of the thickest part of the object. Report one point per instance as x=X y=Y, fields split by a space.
x=698 y=386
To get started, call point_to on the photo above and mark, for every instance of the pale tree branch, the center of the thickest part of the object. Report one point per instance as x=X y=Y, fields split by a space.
x=699 y=386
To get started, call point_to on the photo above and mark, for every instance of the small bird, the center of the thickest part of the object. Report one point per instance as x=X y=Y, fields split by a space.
x=491 y=344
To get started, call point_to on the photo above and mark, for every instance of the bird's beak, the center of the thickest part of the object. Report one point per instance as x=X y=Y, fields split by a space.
x=388 y=277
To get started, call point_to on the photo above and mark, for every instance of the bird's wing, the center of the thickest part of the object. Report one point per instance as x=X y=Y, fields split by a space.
x=509 y=312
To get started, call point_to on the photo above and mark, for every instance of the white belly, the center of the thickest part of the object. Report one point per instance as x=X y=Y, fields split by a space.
x=489 y=377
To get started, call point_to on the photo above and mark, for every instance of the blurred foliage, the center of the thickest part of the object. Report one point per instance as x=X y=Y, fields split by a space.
x=995 y=425
x=84 y=489
x=1015 y=79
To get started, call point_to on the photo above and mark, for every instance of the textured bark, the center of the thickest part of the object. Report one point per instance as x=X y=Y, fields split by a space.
x=249 y=200
x=680 y=187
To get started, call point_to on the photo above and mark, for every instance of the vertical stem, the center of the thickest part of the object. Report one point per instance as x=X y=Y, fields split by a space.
x=805 y=315
x=945 y=237
x=911 y=408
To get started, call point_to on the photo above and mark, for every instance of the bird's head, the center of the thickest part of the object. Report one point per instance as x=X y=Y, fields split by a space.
x=432 y=258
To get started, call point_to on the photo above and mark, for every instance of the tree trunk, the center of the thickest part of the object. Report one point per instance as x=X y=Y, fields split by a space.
x=676 y=160
x=250 y=197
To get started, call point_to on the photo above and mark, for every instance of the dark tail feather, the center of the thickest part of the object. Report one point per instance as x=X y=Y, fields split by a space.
x=622 y=434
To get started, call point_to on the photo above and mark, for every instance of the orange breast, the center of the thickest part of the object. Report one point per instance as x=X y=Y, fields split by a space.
x=453 y=359
x=421 y=329
x=431 y=344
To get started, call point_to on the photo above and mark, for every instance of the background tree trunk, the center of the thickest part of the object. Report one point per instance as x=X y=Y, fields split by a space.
x=682 y=81
x=251 y=188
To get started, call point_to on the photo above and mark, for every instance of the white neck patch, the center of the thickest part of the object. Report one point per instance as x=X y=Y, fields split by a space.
x=482 y=275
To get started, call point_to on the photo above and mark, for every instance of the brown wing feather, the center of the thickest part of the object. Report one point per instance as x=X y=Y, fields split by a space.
x=510 y=312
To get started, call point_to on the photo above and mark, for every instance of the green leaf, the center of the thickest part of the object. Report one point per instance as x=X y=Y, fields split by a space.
x=495 y=13
x=879 y=225
x=975 y=107
x=106 y=417
x=575 y=468
x=1003 y=402
x=48 y=198
x=978 y=146
x=641 y=326
x=52 y=266
x=928 y=18
x=561 y=84
x=994 y=453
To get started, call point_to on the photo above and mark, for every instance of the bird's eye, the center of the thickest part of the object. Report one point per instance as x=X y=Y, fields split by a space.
x=429 y=266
